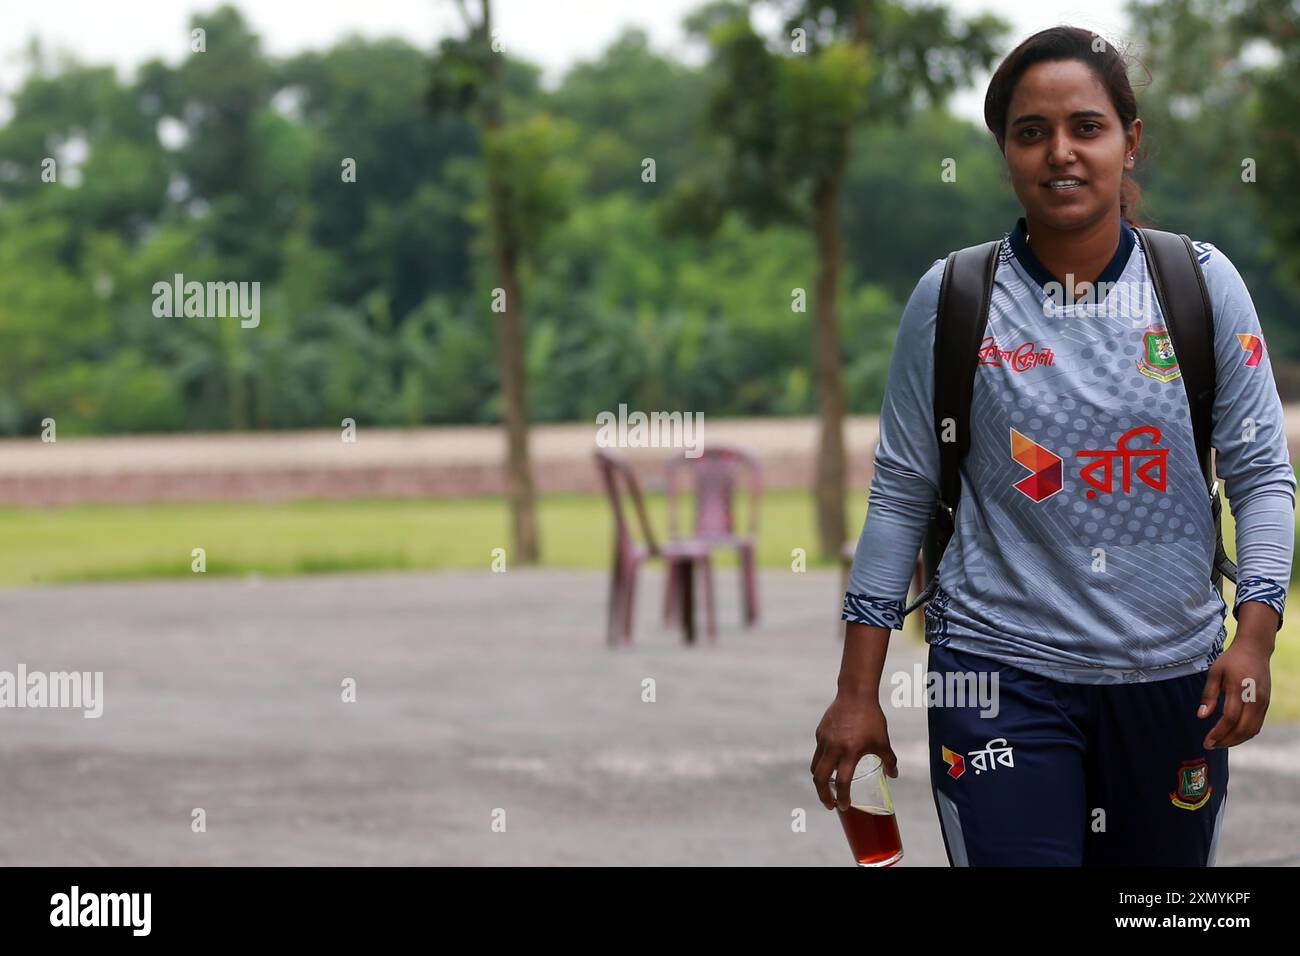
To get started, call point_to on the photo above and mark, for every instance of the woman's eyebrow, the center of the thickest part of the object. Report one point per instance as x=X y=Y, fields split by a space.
x=1036 y=118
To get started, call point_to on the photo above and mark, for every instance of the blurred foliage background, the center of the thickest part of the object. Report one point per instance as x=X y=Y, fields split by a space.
x=374 y=293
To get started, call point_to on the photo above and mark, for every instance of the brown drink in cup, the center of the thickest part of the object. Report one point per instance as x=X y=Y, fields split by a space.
x=870 y=823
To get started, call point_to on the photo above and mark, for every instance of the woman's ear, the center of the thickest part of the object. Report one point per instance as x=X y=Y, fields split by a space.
x=1133 y=139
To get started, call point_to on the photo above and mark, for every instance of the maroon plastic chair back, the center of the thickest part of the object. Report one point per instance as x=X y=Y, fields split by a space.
x=620 y=479
x=717 y=475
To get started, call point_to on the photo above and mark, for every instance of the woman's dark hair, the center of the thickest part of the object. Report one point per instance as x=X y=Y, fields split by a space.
x=1067 y=43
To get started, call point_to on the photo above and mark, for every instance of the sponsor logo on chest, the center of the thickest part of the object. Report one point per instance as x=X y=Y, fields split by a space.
x=1146 y=463
x=1022 y=357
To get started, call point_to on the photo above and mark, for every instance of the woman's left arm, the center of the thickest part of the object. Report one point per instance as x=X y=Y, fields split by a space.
x=1252 y=458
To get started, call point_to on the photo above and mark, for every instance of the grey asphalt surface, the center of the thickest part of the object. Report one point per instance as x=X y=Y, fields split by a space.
x=476 y=693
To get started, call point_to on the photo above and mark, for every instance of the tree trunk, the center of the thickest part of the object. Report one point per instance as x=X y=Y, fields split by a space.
x=829 y=487
x=519 y=476
x=511 y=328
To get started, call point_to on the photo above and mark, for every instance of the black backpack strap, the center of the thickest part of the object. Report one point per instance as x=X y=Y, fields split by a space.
x=960 y=320
x=1180 y=289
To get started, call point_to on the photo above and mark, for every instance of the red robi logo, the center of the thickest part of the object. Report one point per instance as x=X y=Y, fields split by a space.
x=1147 y=463
x=1046 y=467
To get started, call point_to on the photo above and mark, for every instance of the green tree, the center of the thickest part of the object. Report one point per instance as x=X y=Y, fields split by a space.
x=786 y=113
x=529 y=183
x=1221 y=110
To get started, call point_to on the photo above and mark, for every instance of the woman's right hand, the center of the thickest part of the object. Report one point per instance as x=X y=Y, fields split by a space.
x=853 y=725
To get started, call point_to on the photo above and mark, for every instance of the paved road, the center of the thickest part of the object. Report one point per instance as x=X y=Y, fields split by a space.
x=475 y=691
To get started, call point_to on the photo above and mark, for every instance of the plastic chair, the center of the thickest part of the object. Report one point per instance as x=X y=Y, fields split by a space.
x=717 y=475
x=681 y=557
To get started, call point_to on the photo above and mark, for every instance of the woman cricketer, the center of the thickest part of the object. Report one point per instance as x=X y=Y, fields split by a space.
x=1079 y=571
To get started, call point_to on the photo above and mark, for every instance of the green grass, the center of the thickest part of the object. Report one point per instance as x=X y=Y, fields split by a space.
x=97 y=542
x=102 y=543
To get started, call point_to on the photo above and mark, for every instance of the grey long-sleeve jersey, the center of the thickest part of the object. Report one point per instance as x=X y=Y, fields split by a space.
x=1084 y=537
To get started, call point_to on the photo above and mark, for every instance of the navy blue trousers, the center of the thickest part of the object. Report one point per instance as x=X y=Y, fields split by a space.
x=1075 y=774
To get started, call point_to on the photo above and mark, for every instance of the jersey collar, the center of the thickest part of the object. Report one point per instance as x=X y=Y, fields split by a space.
x=1029 y=262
